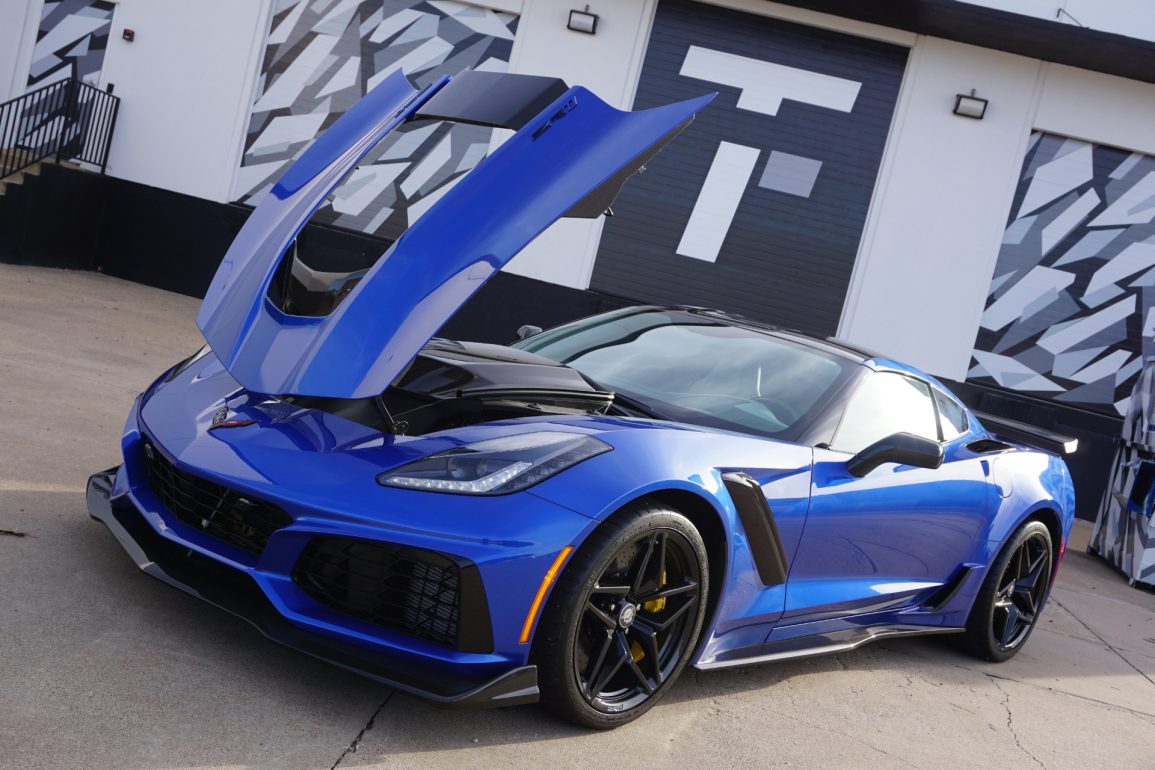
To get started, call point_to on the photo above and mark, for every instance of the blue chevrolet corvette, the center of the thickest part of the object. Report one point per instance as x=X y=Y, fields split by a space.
x=578 y=516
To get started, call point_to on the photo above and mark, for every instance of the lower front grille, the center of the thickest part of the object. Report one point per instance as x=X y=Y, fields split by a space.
x=423 y=593
x=224 y=513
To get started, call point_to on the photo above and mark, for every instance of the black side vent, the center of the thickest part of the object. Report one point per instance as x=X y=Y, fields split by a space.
x=988 y=445
x=949 y=589
x=761 y=529
x=426 y=594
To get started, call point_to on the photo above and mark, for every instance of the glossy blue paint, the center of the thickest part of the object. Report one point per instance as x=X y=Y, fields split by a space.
x=888 y=537
x=535 y=177
x=862 y=552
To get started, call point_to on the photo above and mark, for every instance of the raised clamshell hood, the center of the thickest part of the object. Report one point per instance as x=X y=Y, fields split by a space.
x=568 y=158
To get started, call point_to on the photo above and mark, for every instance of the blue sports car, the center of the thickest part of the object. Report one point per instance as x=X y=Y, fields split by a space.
x=578 y=516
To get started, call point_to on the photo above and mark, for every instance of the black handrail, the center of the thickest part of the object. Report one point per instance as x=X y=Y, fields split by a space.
x=69 y=120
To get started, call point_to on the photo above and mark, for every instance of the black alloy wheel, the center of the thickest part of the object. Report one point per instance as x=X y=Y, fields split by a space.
x=623 y=620
x=1012 y=596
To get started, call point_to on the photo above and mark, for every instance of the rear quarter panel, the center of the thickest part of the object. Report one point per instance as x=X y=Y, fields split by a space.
x=1030 y=481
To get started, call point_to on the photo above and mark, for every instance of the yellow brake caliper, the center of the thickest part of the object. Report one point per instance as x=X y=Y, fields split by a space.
x=654 y=606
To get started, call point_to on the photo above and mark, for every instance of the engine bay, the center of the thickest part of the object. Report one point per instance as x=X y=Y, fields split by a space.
x=453 y=384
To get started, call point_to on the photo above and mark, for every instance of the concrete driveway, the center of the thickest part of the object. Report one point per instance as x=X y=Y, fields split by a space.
x=102 y=666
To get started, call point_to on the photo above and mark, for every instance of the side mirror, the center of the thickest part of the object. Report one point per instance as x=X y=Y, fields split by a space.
x=901 y=448
x=528 y=331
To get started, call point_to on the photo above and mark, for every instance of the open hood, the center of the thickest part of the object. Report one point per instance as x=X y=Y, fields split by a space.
x=571 y=154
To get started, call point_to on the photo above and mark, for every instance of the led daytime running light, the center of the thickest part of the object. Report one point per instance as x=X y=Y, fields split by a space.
x=496 y=466
x=476 y=487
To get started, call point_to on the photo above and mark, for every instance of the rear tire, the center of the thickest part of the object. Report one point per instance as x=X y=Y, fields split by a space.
x=624 y=617
x=1008 y=604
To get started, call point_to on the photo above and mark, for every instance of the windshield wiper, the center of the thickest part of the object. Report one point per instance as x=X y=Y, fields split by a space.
x=628 y=402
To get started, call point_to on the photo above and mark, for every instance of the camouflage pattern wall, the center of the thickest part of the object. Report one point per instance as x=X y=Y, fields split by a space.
x=324 y=55
x=70 y=41
x=1069 y=314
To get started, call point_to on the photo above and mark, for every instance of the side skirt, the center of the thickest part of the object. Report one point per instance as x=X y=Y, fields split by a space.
x=823 y=644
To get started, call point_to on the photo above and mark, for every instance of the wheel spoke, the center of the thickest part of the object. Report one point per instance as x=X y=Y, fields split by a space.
x=610 y=669
x=649 y=640
x=666 y=593
x=1012 y=626
x=592 y=609
x=1034 y=572
x=643 y=680
x=643 y=564
x=596 y=665
x=609 y=590
x=669 y=620
x=1024 y=600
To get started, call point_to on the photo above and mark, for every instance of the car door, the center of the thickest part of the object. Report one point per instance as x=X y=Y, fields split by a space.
x=899 y=532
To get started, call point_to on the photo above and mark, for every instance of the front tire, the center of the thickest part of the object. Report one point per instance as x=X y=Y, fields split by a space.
x=1007 y=607
x=624 y=617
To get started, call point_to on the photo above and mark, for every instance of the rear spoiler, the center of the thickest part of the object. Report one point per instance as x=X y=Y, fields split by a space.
x=1031 y=435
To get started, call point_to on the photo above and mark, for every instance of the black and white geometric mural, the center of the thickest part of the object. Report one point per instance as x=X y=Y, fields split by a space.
x=324 y=55
x=71 y=41
x=1069 y=315
x=1124 y=532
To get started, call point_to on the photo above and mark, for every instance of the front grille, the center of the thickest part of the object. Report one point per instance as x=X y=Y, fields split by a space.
x=406 y=589
x=215 y=510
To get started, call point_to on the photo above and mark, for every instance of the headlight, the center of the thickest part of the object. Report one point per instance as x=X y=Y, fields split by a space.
x=498 y=466
x=185 y=364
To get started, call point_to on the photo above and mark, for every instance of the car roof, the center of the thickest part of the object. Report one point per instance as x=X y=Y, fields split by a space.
x=829 y=344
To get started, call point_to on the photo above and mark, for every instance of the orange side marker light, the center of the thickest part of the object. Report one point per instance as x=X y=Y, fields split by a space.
x=546 y=582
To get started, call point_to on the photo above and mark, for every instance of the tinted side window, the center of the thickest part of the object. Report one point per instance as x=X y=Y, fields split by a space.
x=885 y=403
x=952 y=418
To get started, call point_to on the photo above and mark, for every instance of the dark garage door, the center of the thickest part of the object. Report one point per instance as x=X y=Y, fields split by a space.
x=759 y=206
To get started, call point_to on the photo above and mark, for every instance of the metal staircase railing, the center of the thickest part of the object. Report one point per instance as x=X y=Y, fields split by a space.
x=68 y=120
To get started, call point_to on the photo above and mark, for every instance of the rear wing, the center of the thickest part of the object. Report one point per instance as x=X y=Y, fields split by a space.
x=1031 y=435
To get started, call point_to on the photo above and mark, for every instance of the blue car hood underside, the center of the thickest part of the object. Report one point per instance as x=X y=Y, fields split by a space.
x=555 y=165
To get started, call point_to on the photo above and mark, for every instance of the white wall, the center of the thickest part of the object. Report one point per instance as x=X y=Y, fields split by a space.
x=19 y=20
x=186 y=86
x=940 y=205
x=1098 y=108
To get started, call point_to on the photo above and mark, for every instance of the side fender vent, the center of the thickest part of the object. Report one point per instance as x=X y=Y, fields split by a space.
x=761 y=530
x=988 y=446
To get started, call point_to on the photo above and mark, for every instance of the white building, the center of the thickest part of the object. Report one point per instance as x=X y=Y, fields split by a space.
x=833 y=186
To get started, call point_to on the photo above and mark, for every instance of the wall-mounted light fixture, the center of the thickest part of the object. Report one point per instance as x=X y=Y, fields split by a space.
x=583 y=21
x=970 y=106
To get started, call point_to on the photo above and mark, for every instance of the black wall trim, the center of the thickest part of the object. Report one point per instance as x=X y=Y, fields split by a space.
x=962 y=22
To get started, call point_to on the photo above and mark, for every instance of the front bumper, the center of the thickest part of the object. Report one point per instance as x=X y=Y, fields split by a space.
x=234 y=591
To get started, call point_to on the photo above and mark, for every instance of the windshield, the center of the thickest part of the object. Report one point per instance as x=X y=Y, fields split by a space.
x=696 y=369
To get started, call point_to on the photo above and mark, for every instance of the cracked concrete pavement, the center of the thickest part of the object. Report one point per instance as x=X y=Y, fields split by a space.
x=104 y=667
